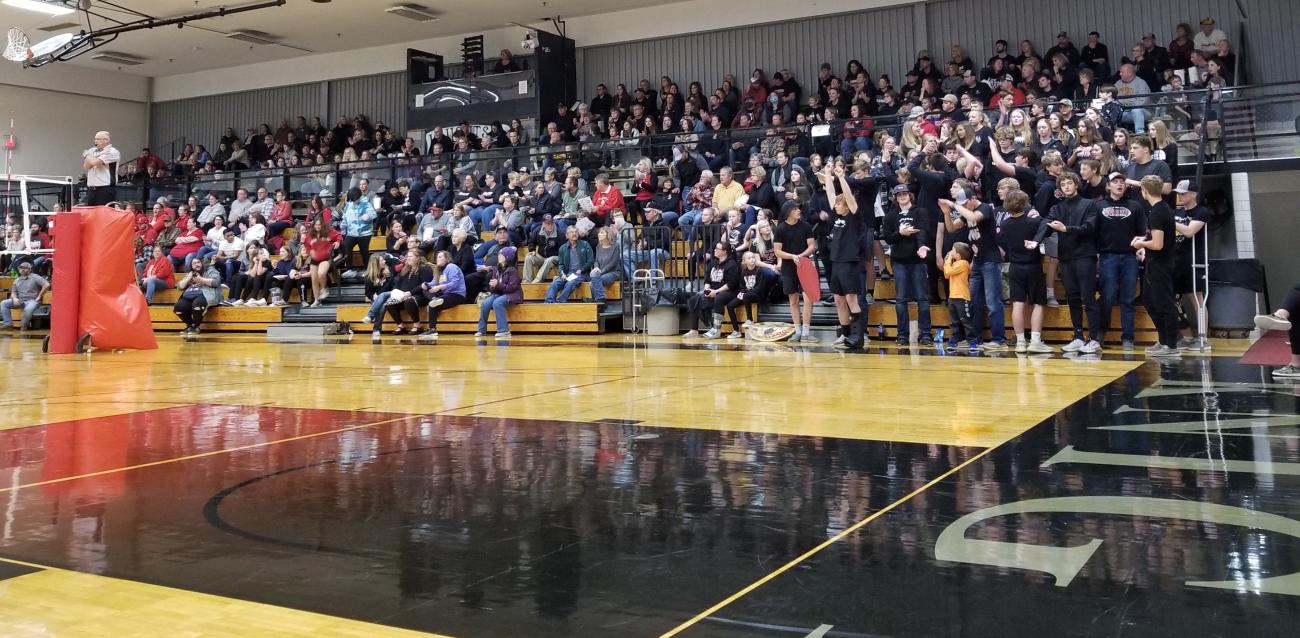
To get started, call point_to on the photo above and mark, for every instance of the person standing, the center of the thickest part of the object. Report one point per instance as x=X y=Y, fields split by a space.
x=100 y=162
x=1191 y=261
x=1156 y=250
x=1120 y=220
x=1074 y=220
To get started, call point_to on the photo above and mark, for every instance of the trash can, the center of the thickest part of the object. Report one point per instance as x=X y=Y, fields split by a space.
x=663 y=321
x=1233 y=286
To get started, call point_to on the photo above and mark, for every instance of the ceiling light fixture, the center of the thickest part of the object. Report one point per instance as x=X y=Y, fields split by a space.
x=48 y=8
x=254 y=37
x=123 y=59
x=412 y=12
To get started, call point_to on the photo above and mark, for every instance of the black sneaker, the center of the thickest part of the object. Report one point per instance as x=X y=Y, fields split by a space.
x=926 y=340
x=902 y=341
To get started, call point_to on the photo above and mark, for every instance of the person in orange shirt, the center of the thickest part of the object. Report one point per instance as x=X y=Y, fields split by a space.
x=956 y=267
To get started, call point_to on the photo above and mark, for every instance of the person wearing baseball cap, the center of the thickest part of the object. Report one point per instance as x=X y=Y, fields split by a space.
x=909 y=231
x=1191 y=246
x=1208 y=38
x=1158 y=54
x=543 y=250
x=1065 y=108
x=1064 y=47
x=793 y=241
x=1120 y=220
x=1007 y=87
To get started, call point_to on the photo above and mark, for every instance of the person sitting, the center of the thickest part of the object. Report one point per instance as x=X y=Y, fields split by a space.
x=253 y=283
x=25 y=292
x=504 y=289
x=608 y=264
x=188 y=243
x=721 y=282
x=1281 y=319
x=200 y=290
x=281 y=215
x=575 y=262
x=407 y=294
x=543 y=250
x=756 y=280
x=291 y=271
x=159 y=274
x=379 y=282
x=446 y=291
x=228 y=254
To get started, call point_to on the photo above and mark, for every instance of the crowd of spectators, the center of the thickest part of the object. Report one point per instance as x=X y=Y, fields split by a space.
x=747 y=160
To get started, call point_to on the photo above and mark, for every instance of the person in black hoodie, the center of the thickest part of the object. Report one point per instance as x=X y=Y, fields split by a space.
x=721 y=282
x=934 y=179
x=907 y=230
x=1119 y=221
x=1074 y=220
x=543 y=250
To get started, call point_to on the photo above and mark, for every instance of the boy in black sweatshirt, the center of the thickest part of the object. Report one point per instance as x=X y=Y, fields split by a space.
x=1119 y=221
x=907 y=230
x=1016 y=238
x=1074 y=221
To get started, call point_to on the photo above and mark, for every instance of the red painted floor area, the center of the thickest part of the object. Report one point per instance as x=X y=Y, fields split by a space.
x=1274 y=349
x=87 y=446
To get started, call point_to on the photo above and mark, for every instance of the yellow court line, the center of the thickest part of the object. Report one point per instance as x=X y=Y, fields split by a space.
x=823 y=545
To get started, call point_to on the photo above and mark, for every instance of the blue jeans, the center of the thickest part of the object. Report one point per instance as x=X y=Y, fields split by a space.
x=483 y=215
x=151 y=286
x=7 y=306
x=1139 y=119
x=1119 y=275
x=912 y=282
x=376 y=311
x=562 y=287
x=600 y=283
x=482 y=249
x=687 y=222
x=986 y=296
x=854 y=144
x=655 y=257
x=498 y=303
x=670 y=218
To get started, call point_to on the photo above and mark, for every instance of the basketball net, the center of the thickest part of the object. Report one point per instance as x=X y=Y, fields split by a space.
x=19 y=47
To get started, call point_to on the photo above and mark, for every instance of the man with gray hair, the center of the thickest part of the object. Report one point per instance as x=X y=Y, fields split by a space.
x=100 y=162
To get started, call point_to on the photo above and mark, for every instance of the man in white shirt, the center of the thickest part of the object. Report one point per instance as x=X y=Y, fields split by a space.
x=100 y=162
x=1207 y=41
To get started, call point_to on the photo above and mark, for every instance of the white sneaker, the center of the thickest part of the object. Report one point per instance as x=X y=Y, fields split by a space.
x=840 y=340
x=237 y=302
x=375 y=336
x=1164 y=351
x=436 y=301
x=260 y=303
x=747 y=325
x=324 y=294
x=1038 y=347
x=735 y=334
x=1092 y=347
x=1272 y=322
x=1052 y=302
x=808 y=337
x=1022 y=346
x=1073 y=346
x=367 y=320
x=315 y=304
x=304 y=304
x=503 y=335
x=691 y=334
x=713 y=333
x=1287 y=372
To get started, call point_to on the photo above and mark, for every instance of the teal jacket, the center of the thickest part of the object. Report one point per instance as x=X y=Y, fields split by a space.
x=586 y=255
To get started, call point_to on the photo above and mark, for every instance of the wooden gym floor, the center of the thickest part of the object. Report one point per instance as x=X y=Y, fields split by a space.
x=632 y=486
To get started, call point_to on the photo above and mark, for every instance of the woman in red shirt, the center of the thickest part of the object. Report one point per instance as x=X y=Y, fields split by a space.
x=158 y=274
x=320 y=244
x=281 y=215
x=187 y=243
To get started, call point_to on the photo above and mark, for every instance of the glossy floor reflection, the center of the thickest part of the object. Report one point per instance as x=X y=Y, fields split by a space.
x=593 y=488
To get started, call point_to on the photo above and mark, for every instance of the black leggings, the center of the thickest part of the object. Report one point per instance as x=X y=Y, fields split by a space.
x=287 y=285
x=190 y=310
x=1291 y=303
x=448 y=301
x=412 y=307
x=753 y=298
x=250 y=286
x=702 y=306
x=346 y=250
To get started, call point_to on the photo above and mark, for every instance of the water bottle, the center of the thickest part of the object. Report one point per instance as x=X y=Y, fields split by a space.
x=880 y=330
x=938 y=335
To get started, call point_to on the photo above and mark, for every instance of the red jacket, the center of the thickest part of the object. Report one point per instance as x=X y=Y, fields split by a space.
x=610 y=200
x=282 y=212
x=162 y=269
